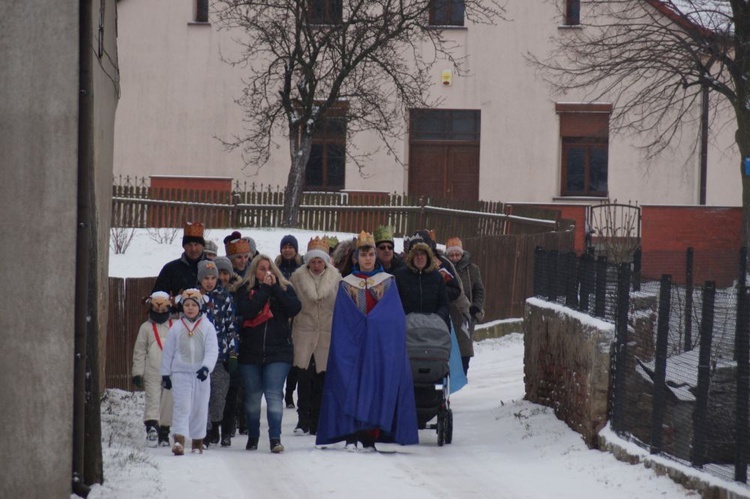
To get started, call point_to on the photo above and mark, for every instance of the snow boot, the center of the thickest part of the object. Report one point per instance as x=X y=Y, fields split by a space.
x=226 y=439
x=178 y=448
x=276 y=446
x=164 y=436
x=197 y=446
x=212 y=436
x=152 y=434
x=252 y=443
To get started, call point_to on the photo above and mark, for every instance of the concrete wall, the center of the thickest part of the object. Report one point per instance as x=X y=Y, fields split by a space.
x=567 y=365
x=38 y=201
x=179 y=95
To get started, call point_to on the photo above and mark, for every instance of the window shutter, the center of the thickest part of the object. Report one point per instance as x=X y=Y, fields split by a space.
x=584 y=120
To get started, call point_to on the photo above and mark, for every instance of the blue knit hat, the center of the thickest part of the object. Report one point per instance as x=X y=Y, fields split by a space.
x=289 y=239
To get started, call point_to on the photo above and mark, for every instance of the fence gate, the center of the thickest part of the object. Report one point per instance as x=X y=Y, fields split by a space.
x=613 y=230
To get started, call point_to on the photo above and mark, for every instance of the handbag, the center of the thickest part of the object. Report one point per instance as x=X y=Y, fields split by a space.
x=264 y=315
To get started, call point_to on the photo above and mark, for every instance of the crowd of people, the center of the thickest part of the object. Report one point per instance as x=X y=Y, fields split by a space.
x=223 y=332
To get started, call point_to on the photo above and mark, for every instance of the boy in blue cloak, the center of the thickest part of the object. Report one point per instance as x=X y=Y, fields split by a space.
x=368 y=394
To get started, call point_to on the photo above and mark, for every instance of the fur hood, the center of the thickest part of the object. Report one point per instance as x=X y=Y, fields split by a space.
x=341 y=256
x=432 y=261
x=249 y=278
x=304 y=283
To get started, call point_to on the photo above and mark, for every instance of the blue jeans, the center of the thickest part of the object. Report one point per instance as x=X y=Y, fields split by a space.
x=268 y=380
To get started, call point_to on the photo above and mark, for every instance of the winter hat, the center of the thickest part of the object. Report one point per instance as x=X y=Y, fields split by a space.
x=159 y=301
x=289 y=239
x=210 y=248
x=193 y=233
x=192 y=294
x=234 y=244
x=383 y=234
x=317 y=248
x=453 y=245
x=207 y=268
x=253 y=246
x=223 y=263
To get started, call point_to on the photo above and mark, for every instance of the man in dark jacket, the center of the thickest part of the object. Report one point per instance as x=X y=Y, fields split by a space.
x=181 y=274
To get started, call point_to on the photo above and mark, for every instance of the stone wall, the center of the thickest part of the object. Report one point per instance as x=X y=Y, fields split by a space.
x=567 y=365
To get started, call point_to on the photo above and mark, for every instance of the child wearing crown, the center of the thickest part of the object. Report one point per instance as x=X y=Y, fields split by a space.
x=368 y=394
x=189 y=356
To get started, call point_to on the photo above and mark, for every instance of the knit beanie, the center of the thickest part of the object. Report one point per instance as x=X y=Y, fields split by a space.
x=223 y=263
x=289 y=239
x=207 y=268
x=210 y=248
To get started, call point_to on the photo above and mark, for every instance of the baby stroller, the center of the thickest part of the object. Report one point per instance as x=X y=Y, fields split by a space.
x=428 y=343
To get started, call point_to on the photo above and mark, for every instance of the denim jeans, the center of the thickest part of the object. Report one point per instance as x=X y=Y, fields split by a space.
x=268 y=380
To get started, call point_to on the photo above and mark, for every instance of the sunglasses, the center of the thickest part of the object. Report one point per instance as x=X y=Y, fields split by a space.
x=385 y=247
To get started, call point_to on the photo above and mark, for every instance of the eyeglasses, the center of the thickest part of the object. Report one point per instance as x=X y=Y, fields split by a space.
x=385 y=247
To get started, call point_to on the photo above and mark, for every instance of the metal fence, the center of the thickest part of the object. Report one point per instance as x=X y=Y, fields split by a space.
x=680 y=360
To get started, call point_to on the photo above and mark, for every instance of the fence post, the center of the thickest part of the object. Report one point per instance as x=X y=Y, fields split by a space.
x=689 y=300
x=743 y=384
x=637 y=259
x=601 y=287
x=700 y=415
x=586 y=273
x=621 y=347
x=571 y=281
x=552 y=264
x=539 y=267
x=660 y=364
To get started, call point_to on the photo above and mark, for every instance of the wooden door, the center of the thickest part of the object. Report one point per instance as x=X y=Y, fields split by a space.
x=444 y=171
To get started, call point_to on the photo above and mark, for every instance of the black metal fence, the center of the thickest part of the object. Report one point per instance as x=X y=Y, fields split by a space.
x=680 y=374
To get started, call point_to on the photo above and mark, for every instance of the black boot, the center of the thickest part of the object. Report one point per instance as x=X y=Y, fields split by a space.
x=252 y=443
x=212 y=435
x=164 y=436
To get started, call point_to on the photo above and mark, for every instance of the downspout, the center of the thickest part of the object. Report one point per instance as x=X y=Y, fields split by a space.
x=704 y=145
x=83 y=239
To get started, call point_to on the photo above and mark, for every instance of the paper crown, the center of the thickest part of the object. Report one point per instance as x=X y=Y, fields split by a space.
x=237 y=247
x=332 y=241
x=317 y=243
x=429 y=232
x=365 y=239
x=194 y=229
x=453 y=243
x=383 y=233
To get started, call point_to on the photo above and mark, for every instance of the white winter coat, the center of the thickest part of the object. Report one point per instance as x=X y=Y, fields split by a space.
x=311 y=328
x=187 y=353
x=147 y=363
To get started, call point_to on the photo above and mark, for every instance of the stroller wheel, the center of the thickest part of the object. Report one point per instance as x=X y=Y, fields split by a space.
x=441 y=427
x=449 y=426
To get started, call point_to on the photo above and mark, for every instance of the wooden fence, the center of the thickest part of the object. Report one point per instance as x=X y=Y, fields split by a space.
x=506 y=263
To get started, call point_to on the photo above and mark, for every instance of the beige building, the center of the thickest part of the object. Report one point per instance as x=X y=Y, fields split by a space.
x=517 y=143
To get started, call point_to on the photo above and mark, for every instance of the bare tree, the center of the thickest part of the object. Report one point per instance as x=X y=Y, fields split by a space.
x=361 y=60
x=658 y=60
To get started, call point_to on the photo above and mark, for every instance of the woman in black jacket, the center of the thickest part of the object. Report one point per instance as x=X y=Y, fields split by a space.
x=266 y=301
x=420 y=284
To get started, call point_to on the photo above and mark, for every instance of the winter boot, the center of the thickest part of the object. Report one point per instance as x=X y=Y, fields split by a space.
x=226 y=439
x=213 y=434
x=152 y=434
x=178 y=448
x=164 y=436
x=197 y=446
x=252 y=443
x=276 y=446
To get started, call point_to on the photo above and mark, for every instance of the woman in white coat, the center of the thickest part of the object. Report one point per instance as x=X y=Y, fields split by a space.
x=316 y=283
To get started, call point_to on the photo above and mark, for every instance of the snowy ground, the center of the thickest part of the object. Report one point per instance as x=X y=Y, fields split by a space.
x=503 y=447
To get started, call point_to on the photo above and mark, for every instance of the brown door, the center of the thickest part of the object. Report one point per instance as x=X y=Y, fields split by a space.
x=444 y=171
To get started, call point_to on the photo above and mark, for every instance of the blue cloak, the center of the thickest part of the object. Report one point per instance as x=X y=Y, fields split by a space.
x=368 y=381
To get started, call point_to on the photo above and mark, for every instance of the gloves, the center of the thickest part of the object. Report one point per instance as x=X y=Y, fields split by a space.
x=202 y=373
x=138 y=381
x=166 y=382
x=474 y=310
x=232 y=364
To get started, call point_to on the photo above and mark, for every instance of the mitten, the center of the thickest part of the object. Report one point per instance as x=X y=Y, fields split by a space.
x=232 y=364
x=474 y=310
x=202 y=373
x=138 y=381
x=166 y=382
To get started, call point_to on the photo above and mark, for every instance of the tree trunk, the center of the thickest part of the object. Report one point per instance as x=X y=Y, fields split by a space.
x=300 y=144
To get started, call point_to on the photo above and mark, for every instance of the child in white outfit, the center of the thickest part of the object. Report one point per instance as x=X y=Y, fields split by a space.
x=189 y=356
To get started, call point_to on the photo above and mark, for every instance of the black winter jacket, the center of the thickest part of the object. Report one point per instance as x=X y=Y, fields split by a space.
x=270 y=341
x=422 y=291
x=178 y=275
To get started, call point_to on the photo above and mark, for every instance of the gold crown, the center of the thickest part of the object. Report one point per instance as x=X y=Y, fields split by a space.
x=317 y=243
x=194 y=229
x=453 y=242
x=237 y=247
x=383 y=233
x=365 y=239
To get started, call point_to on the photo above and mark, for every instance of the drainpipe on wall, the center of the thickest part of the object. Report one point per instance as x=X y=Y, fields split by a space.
x=704 y=145
x=83 y=240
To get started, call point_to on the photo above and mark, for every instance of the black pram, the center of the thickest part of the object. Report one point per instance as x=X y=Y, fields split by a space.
x=428 y=343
